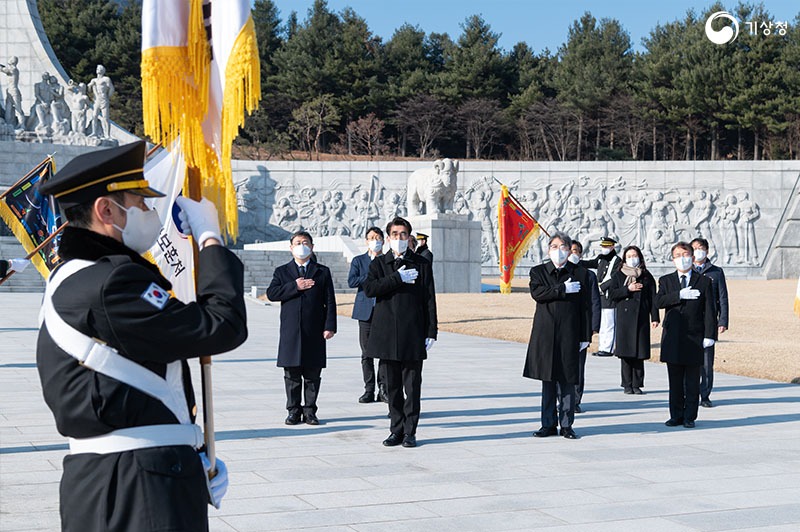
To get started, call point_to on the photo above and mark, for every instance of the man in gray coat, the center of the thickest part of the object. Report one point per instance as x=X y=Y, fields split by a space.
x=404 y=327
x=562 y=328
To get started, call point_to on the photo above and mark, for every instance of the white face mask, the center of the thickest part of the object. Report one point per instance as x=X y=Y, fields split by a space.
x=605 y=251
x=632 y=262
x=398 y=246
x=301 y=252
x=683 y=263
x=141 y=228
x=375 y=245
x=574 y=259
x=558 y=256
x=700 y=255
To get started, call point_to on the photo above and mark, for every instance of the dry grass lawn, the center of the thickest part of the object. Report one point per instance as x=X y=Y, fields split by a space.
x=762 y=341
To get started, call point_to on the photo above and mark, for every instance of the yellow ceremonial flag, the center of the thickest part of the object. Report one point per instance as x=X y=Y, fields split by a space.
x=197 y=90
x=797 y=299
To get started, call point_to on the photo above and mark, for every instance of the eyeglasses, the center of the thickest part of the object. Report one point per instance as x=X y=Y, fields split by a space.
x=562 y=247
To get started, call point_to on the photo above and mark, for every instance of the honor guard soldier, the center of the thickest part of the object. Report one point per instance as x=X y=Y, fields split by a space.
x=422 y=246
x=113 y=348
x=606 y=264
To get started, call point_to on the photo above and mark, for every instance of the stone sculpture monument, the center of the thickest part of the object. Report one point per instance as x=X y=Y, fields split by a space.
x=432 y=190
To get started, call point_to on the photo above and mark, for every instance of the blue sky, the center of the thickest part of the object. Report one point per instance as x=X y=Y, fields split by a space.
x=542 y=24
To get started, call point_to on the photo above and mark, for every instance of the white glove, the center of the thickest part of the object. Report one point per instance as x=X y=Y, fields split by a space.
x=573 y=287
x=583 y=346
x=217 y=486
x=407 y=276
x=689 y=293
x=198 y=218
x=18 y=265
x=429 y=343
x=708 y=342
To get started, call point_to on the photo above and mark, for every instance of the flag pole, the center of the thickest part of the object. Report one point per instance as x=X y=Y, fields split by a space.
x=37 y=248
x=196 y=193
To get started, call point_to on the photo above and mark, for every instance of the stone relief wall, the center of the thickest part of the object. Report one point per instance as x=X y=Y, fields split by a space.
x=736 y=206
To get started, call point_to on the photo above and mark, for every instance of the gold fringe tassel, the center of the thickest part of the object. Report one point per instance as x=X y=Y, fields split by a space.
x=24 y=238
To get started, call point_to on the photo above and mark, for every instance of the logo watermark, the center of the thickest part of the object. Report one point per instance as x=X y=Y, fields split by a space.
x=725 y=35
x=728 y=33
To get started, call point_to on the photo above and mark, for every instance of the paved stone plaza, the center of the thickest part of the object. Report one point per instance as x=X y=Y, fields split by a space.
x=476 y=468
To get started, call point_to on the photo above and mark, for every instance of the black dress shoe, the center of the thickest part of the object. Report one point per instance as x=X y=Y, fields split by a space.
x=568 y=433
x=311 y=419
x=706 y=403
x=688 y=424
x=409 y=440
x=628 y=391
x=393 y=440
x=368 y=397
x=673 y=422
x=604 y=354
x=638 y=391
x=293 y=419
x=578 y=409
x=545 y=432
x=382 y=397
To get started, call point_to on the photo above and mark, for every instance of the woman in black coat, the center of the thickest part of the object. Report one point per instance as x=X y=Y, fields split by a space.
x=633 y=289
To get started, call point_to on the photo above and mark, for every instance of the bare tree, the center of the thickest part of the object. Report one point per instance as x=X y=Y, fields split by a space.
x=551 y=127
x=367 y=134
x=425 y=117
x=481 y=119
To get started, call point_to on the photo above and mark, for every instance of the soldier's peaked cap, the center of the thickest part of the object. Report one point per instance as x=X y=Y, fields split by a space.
x=99 y=173
x=423 y=236
x=608 y=241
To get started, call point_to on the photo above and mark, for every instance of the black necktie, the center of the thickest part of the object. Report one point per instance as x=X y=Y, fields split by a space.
x=302 y=271
x=683 y=281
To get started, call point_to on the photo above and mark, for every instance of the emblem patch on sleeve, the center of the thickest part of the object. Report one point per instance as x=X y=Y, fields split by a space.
x=156 y=296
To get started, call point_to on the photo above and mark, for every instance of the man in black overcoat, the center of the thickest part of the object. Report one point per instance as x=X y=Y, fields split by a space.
x=720 y=286
x=688 y=327
x=113 y=347
x=308 y=318
x=562 y=327
x=575 y=258
x=404 y=327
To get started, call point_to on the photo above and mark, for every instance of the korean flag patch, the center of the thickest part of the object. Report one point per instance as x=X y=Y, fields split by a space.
x=156 y=296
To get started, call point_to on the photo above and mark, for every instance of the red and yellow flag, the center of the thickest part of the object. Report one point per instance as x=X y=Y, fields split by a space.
x=516 y=228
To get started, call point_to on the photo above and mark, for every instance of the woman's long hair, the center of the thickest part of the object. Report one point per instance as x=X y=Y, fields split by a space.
x=638 y=252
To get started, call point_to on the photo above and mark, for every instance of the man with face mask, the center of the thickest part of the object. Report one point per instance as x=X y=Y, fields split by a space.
x=575 y=258
x=308 y=319
x=113 y=348
x=362 y=311
x=688 y=327
x=562 y=328
x=703 y=266
x=606 y=264
x=404 y=328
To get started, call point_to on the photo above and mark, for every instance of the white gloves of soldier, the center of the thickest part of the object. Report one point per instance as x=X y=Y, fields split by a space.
x=217 y=486
x=407 y=276
x=198 y=218
x=573 y=287
x=18 y=265
x=583 y=346
x=689 y=293
x=708 y=342
x=429 y=343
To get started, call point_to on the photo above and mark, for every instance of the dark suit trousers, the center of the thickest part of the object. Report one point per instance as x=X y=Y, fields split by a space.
x=367 y=363
x=565 y=415
x=632 y=372
x=707 y=373
x=403 y=409
x=303 y=379
x=581 y=377
x=684 y=391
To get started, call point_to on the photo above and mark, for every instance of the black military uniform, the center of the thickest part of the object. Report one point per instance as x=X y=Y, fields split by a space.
x=605 y=265
x=422 y=248
x=108 y=293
